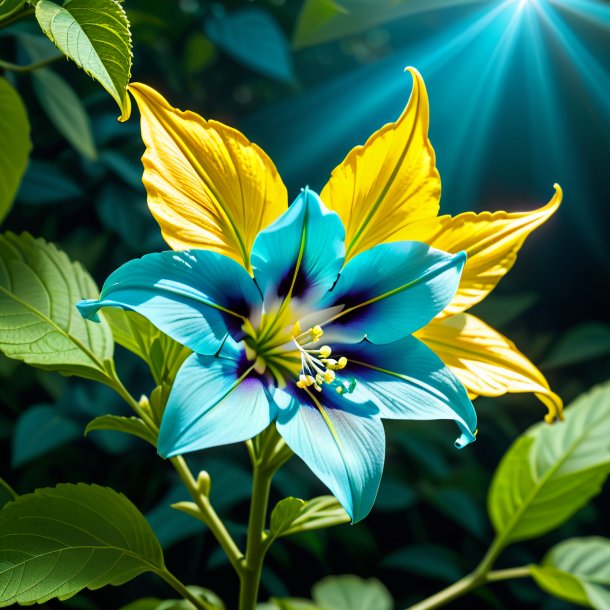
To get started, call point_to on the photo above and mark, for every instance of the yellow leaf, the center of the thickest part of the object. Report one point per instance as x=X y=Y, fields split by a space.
x=491 y=242
x=486 y=362
x=208 y=185
x=388 y=183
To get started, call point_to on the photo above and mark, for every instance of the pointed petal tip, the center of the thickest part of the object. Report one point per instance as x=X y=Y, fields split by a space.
x=88 y=308
x=465 y=439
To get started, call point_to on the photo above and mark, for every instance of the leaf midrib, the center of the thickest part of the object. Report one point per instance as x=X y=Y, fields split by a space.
x=55 y=326
x=114 y=549
x=537 y=488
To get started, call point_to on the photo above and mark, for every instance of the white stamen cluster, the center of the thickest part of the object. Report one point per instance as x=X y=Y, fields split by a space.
x=317 y=367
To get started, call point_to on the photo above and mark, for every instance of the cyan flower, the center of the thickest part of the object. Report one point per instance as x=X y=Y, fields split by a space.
x=322 y=348
x=209 y=187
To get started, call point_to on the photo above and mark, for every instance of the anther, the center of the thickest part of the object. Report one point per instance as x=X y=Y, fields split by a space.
x=316 y=333
x=329 y=376
x=325 y=351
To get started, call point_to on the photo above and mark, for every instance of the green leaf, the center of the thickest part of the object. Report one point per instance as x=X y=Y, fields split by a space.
x=284 y=513
x=7 y=493
x=40 y=430
x=253 y=37
x=128 y=425
x=580 y=344
x=163 y=355
x=95 y=35
x=321 y=512
x=39 y=323
x=16 y=145
x=65 y=110
x=552 y=471
x=577 y=570
x=58 y=541
x=352 y=593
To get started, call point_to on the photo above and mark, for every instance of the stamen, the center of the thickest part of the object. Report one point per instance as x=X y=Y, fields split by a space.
x=316 y=333
x=325 y=351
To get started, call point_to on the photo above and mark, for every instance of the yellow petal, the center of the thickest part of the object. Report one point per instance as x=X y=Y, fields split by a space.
x=491 y=242
x=486 y=362
x=208 y=185
x=389 y=182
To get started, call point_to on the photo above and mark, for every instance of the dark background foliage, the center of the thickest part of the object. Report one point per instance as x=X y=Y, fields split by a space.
x=307 y=108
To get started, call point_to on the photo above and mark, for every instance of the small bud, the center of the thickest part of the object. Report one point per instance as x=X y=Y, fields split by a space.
x=204 y=483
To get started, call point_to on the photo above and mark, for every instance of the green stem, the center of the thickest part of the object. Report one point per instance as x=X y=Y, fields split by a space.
x=7 y=65
x=256 y=547
x=15 y=15
x=461 y=587
x=467 y=584
x=208 y=515
x=173 y=582
x=509 y=573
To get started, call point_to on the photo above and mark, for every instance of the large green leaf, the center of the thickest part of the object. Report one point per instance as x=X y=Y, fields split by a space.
x=577 y=570
x=65 y=110
x=552 y=471
x=15 y=144
x=39 y=323
x=95 y=35
x=351 y=593
x=134 y=332
x=58 y=541
x=325 y=20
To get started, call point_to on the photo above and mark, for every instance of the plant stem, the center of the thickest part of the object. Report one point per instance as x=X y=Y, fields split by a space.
x=461 y=587
x=7 y=65
x=467 y=584
x=16 y=15
x=173 y=582
x=209 y=515
x=509 y=573
x=256 y=548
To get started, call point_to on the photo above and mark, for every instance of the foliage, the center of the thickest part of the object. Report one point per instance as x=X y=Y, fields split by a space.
x=82 y=189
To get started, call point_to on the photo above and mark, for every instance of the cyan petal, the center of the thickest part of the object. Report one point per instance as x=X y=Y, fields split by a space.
x=301 y=253
x=406 y=380
x=211 y=404
x=342 y=443
x=392 y=290
x=195 y=296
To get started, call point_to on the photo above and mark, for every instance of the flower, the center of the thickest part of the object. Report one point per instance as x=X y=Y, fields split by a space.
x=209 y=187
x=324 y=350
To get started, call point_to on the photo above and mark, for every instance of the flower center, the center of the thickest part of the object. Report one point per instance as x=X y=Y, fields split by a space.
x=277 y=346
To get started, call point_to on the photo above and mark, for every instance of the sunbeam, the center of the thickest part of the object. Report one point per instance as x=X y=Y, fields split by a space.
x=505 y=82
